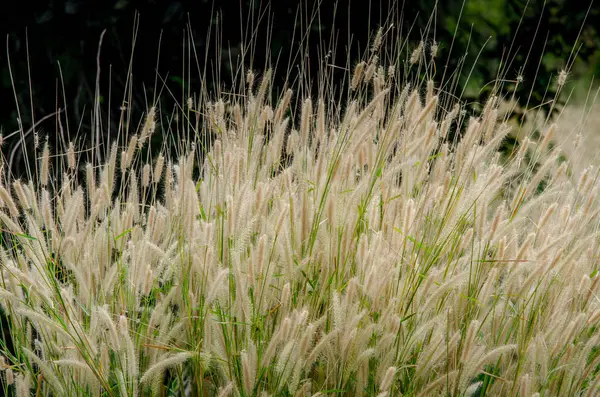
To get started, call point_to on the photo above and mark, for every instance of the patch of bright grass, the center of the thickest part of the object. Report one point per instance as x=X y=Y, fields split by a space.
x=386 y=245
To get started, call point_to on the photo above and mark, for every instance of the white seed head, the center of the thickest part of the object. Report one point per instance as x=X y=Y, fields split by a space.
x=562 y=78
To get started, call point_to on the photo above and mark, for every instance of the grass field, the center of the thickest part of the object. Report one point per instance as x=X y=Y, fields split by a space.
x=386 y=245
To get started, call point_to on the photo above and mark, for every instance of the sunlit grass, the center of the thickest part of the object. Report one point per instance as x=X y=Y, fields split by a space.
x=380 y=246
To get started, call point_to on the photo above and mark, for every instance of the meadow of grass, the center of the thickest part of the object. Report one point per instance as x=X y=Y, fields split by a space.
x=295 y=245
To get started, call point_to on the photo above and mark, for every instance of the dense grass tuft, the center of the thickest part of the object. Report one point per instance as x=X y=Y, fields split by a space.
x=303 y=246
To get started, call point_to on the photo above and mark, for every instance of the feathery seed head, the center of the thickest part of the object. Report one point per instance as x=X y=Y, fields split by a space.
x=562 y=78
x=434 y=49
x=416 y=54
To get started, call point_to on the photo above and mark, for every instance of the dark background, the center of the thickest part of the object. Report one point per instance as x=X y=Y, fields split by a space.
x=535 y=41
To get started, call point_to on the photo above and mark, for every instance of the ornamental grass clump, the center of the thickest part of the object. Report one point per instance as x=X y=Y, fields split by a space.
x=300 y=246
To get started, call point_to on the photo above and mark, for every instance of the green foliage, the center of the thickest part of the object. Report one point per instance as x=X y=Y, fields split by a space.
x=504 y=39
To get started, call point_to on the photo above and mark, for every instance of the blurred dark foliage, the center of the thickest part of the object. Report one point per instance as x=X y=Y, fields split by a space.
x=533 y=39
x=67 y=33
